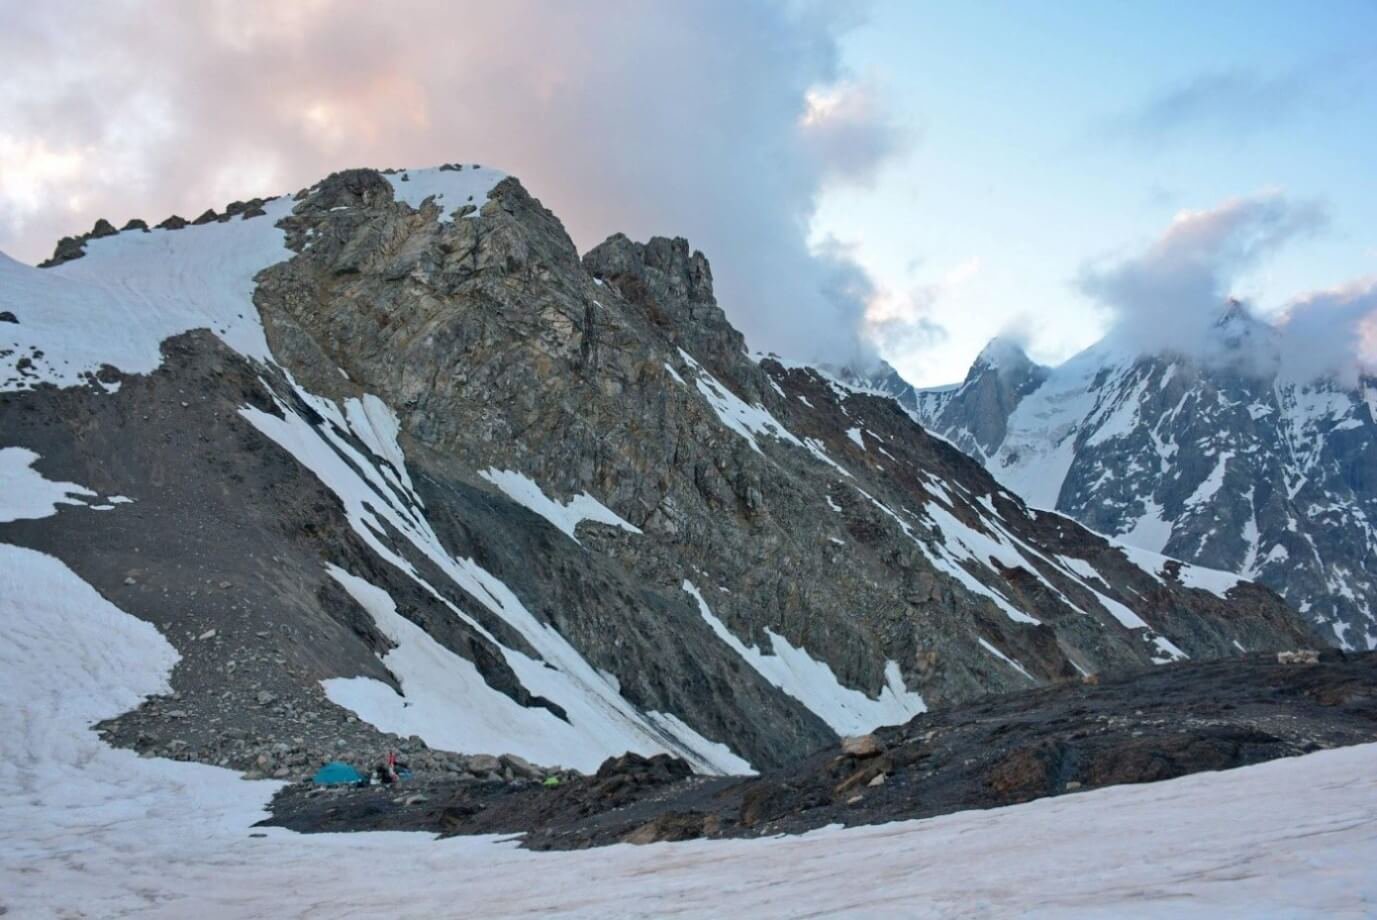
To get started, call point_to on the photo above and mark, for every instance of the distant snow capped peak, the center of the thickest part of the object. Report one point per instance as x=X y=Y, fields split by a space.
x=1220 y=456
x=1002 y=353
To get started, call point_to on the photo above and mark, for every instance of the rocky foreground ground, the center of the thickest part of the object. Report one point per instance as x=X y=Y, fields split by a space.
x=1159 y=724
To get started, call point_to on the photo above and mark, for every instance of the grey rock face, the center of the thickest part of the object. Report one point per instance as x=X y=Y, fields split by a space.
x=777 y=515
x=1226 y=463
x=572 y=382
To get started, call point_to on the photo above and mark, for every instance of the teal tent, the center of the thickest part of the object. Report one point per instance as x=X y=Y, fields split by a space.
x=337 y=773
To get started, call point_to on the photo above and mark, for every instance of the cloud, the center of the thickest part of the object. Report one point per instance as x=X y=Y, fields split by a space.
x=1172 y=296
x=1231 y=102
x=847 y=131
x=905 y=322
x=1238 y=102
x=721 y=121
x=1169 y=296
x=1332 y=333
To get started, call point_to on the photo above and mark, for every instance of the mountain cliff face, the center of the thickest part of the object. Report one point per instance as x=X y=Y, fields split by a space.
x=1226 y=462
x=389 y=460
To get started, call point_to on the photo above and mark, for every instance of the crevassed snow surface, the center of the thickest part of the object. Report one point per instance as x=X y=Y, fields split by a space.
x=95 y=832
x=812 y=682
x=567 y=516
x=1040 y=444
x=451 y=188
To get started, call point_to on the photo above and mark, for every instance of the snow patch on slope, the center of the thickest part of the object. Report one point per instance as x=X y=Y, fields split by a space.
x=1151 y=531
x=1005 y=658
x=66 y=797
x=133 y=290
x=943 y=559
x=608 y=722
x=813 y=683
x=1191 y=576
x=25 y=494
x=1211 y=483
x=583 y=507
x=451 y=188
x=744 y=418
x=445 y=700
x=376 y=425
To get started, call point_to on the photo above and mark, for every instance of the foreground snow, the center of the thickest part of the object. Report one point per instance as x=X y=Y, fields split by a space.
x=95 y=832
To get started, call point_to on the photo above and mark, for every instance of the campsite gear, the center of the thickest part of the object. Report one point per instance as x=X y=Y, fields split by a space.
x=337 y=773
x=551 y=782
x=392 y=770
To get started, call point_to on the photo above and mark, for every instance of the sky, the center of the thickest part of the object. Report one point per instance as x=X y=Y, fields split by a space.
x=894 y=179
x=1055 y=140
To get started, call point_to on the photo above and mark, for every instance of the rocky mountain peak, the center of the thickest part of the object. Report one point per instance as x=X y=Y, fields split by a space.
x=1242 y=343
x=999 y=377
x=1004 y=355
x=672 y=285
x=394 y=450
x=667 y=265
x=1215 y=456
x=348 y=188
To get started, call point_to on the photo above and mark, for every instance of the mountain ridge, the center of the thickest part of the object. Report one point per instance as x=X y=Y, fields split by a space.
x=1224 y=459
x=426 y=475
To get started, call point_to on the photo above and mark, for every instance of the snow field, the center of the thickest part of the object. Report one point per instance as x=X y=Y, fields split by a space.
x=97 y=832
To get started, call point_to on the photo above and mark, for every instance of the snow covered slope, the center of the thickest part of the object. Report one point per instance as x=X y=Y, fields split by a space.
x=1230 y=463
x=96 y=832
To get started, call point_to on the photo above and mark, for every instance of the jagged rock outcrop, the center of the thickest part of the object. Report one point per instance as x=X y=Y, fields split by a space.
x=467 y=485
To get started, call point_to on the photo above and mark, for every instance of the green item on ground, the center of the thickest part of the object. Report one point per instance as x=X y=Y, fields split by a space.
x=337 y=773
x=551 y=782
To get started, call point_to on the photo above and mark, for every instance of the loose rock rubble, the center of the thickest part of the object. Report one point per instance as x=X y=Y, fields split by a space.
x=1157 y=725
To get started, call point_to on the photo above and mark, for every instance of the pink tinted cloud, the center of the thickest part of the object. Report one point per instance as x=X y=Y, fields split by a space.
x=672 y=119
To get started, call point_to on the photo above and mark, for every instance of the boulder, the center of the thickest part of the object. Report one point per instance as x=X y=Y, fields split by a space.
x=484 y=763
x=67 y=249
x=520 y=767
x=862 y=746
